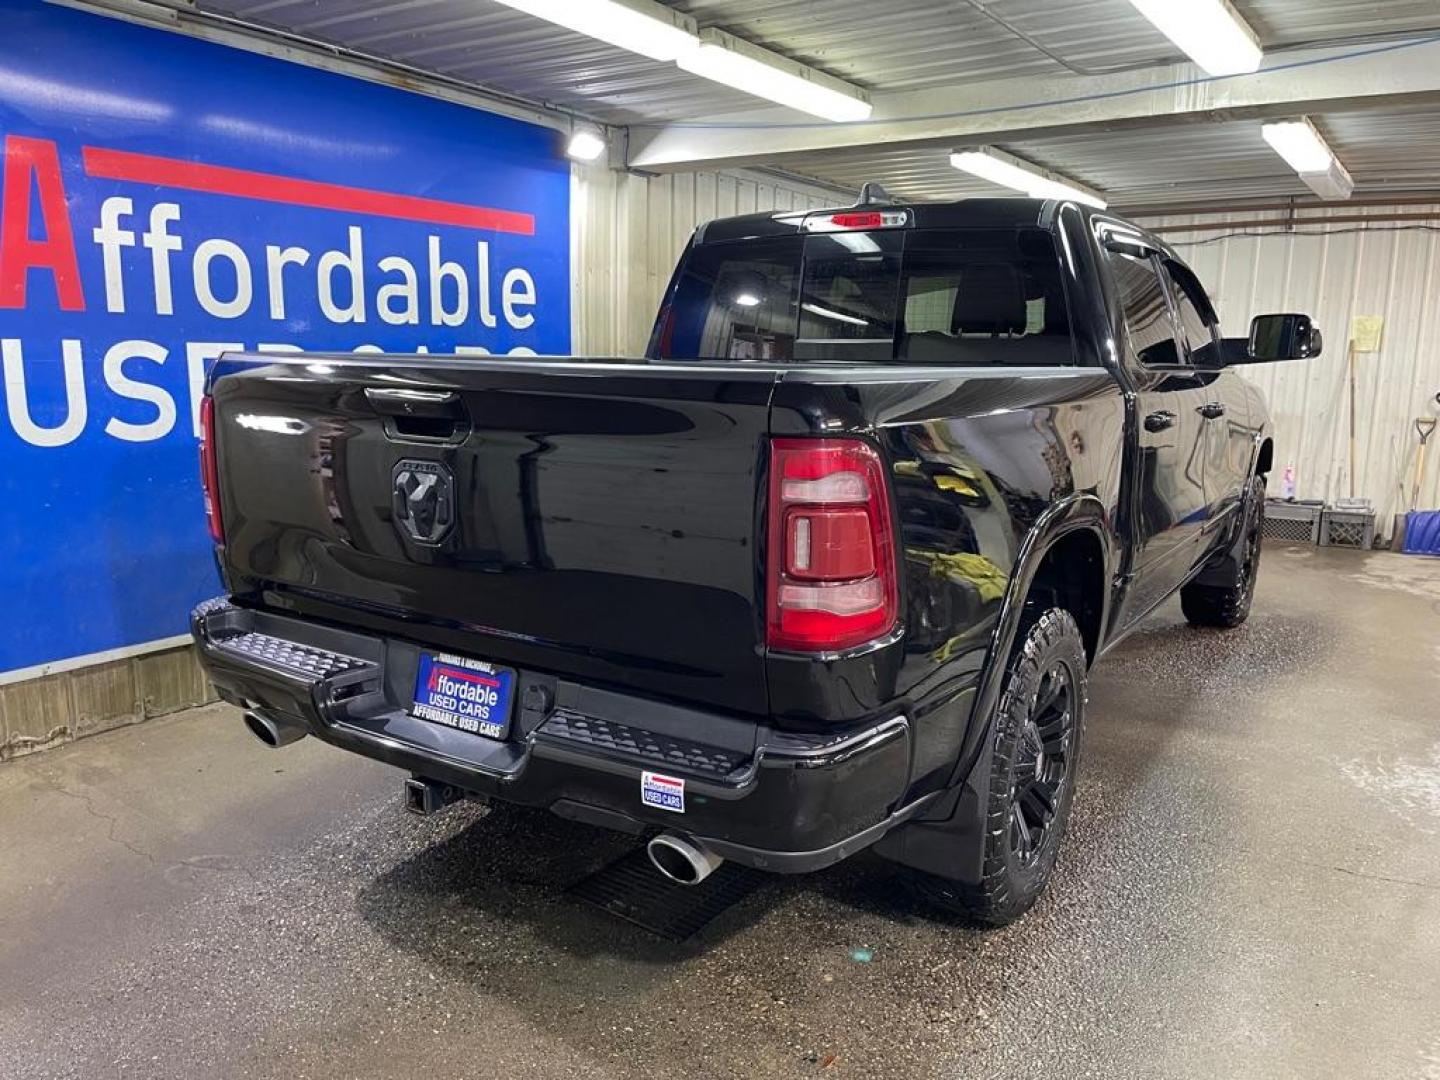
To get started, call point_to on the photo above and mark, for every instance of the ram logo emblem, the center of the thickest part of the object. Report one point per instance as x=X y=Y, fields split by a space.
x=424 y=500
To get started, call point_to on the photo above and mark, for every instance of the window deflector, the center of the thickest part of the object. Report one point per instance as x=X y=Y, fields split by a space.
x=1184 y=287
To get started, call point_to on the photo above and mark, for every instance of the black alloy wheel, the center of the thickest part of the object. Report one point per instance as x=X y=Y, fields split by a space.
x=1041 y=767
x=1026 y=778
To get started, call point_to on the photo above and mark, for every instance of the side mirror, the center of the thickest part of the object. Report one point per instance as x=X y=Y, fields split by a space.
x=1276 y=337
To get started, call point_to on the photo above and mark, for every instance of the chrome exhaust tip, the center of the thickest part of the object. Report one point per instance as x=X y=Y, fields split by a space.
x=270 y=733
x=682 y=860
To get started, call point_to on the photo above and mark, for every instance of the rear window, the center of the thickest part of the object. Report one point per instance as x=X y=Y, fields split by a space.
x=941 y=296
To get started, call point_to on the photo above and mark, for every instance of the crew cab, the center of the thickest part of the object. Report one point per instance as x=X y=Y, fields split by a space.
x=824 y=570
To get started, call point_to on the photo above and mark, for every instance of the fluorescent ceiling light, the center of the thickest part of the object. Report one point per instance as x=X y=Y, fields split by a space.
x=661 y=33
x=1299 y=144
x=1009 y=171
x=1210 y=32
x=1333 y=183
x=859 y=243
x=585 y=145
x=1305 y=150
x=726 y=59
x=641 y=26
x=838 y=316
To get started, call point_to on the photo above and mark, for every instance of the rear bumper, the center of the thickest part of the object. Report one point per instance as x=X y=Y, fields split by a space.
x=773 y=800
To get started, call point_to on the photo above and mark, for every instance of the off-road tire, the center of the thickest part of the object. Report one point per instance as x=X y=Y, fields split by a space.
x=1227 y=606
x=1011 y=881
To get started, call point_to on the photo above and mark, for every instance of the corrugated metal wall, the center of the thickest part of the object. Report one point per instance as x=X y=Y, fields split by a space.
x=627 y=232
x=1334 y=272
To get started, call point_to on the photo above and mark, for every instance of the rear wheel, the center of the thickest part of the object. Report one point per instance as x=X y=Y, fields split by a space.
x=1227 y=605
x=1034 y=757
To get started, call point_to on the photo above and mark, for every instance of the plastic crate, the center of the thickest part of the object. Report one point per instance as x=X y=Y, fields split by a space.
x=1286 y=519
x=1348 y=528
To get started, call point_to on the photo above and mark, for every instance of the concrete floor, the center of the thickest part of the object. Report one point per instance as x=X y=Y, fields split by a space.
x=1250 y=888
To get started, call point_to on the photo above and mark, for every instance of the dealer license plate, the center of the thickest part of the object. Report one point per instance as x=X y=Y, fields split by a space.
x=468 y=695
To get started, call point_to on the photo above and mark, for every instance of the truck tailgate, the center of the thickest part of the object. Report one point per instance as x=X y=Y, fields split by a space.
x=526 y=511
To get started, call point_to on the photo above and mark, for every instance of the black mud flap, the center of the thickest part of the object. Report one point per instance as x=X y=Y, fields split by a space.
x=1222 y=570
x=949 y=841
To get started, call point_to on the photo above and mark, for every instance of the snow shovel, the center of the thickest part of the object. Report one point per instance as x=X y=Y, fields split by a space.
x=1424 y=426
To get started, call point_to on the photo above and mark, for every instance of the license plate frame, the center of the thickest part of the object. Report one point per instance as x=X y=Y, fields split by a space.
x=463 y=694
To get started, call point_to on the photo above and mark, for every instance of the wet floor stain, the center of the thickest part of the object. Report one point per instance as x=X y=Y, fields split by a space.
x=1408 y=787
x=1413 y=574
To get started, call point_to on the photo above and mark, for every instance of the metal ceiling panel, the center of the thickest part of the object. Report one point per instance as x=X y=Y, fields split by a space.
x=1384 y=151
x=897 y=45
x=493 y=46
x=883 y=45
x=1298 y=22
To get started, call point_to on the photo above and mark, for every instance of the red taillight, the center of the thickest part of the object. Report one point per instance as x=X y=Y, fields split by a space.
x=209 y=471
x=830 y=581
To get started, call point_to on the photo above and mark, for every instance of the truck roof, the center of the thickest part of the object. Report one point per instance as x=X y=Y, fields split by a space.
x=1002 y=212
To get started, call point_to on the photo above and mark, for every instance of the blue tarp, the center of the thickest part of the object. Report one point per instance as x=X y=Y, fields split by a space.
x=1422 y=532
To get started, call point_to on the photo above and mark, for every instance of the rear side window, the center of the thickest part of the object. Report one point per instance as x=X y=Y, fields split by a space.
x=1146 y=310
x=943 y=296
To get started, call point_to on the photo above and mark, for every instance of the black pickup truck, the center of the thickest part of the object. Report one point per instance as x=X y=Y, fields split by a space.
x=824 y=570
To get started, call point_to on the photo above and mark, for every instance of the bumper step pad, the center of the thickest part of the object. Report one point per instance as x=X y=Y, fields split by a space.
x=654 y=750
x=305 y=661
x=632 y=889
x=221 y=627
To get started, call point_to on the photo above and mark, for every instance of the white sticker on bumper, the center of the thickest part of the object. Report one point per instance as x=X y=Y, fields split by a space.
x=663 y=792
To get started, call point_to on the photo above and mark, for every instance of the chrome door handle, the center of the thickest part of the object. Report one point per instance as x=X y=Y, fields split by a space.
x=1159 y=421
x=393 y=401
x=1212 y=410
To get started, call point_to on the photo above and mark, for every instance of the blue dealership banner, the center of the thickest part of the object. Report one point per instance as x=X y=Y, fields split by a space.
x=166 y=199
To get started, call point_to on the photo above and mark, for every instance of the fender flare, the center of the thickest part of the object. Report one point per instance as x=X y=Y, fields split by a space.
x=1080 y=511
x=1222 y=569
x=948 y=839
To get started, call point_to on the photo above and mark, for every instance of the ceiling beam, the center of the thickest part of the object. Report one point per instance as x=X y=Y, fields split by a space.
x=1282 y=205
x=1316 y=80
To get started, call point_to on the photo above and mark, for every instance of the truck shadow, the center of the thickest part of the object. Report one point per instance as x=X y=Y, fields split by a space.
x=510 y=868
x=484 y=897
x=1171 y=656
x=496 y=889
x=847 y=961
